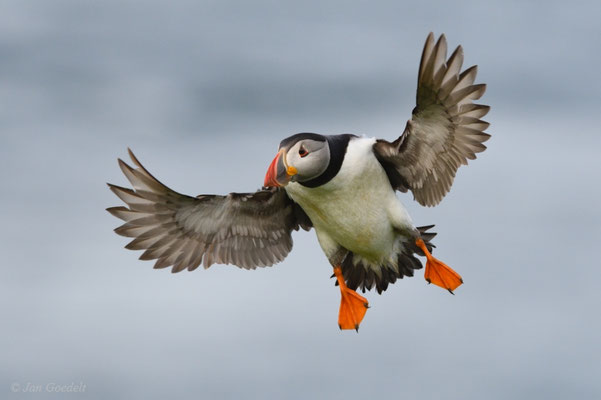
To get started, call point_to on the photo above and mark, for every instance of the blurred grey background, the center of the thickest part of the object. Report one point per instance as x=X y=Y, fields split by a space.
x=203 y=91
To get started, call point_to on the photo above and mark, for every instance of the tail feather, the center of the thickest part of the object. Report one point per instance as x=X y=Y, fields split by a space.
x=357 y=275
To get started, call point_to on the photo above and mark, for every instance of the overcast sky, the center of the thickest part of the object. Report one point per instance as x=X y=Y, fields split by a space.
x=203 y=92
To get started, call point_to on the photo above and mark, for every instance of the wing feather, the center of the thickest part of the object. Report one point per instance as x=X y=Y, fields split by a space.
x=445 y=130
x=245 y=229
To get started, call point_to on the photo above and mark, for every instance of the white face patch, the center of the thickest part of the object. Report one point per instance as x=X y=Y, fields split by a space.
x=310 y=158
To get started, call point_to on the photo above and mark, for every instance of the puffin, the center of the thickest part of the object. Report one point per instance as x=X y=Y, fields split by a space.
x=344 y=187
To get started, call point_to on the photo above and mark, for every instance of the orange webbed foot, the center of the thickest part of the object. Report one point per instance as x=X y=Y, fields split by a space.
x=438 y=272
x=352 y=305
x=352 y=309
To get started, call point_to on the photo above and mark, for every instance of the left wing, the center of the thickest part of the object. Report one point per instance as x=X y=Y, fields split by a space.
x=245 y=229
x=444 y=131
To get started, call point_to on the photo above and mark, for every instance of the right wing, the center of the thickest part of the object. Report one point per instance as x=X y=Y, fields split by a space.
x=445 y=130
x=245 y=229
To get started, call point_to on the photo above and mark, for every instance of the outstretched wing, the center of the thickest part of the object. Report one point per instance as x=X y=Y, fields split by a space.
x=444 y=131
x=245 y=229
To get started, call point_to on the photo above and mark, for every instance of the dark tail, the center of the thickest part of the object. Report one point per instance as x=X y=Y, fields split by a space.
x=362 y=277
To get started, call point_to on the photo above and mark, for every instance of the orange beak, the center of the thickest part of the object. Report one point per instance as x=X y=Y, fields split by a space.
x=279 y=174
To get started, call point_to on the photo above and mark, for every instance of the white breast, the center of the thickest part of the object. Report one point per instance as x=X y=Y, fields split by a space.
x=358 y=208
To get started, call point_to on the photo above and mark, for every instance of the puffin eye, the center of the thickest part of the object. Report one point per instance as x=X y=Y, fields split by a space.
x=303 y=152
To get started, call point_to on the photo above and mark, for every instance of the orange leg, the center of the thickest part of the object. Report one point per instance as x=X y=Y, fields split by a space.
x=352 y=305
x=438 y=272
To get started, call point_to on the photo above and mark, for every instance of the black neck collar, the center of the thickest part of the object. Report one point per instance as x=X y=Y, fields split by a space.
x=338 y=145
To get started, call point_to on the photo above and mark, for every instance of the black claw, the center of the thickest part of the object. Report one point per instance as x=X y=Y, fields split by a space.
x=428 y=280
x=340 y=326
x=366 y=305
x=450 y=291
x=461 y=280
x=357 y=328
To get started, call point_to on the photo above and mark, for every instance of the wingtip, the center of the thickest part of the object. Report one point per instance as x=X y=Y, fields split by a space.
x=429 y=40
x=442 y=39
x=122 y=164
x=132 y=156
x=137 y=162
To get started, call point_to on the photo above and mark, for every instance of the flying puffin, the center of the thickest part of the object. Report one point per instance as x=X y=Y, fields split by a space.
x=343 y=186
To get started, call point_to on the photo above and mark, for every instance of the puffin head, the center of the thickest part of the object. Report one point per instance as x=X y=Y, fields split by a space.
x=300 y=158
